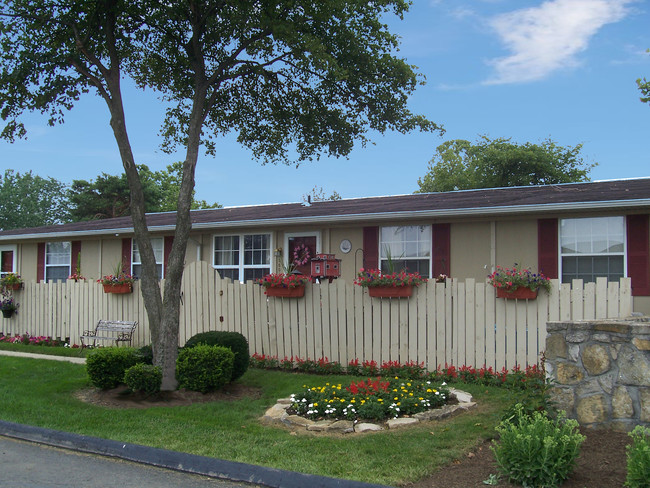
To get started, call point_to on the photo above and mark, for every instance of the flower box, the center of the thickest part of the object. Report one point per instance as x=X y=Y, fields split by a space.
x=390 y=291
x=283 y=292
x=120 y=288
x=520 y=293
x=14 y=286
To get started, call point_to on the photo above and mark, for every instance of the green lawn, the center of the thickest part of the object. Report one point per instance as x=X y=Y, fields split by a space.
x=41 y=392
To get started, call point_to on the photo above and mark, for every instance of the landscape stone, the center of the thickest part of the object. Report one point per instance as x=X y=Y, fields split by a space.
x=568 y=374
x=595 y=359
x=319 y=426
x=634 y=367
x=562 y=398
x=341 y=426
x=618 y=328
x=401 y=422
x=574 y=352
x=275 y=413
x=641 y=344
x=606 y=382
x=556 y=347
x=622 y=407
x=284 y=401
x=297 y=420
x=577 y=336
x=461 y=396
x=367 y=427
x=591 y=409
x=644 y=400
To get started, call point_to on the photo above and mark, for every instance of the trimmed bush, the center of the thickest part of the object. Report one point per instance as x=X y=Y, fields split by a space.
x=106 y=365
x=638 y=458
x=143 y=377
x=535 y=450
x=204 y=368
x=146 y=354
x=235 y=341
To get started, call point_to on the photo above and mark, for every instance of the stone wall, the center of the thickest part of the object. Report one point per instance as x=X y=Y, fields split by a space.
x=601 y=371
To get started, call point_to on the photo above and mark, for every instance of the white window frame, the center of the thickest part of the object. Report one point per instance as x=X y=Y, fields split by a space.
x=241 y=266
x=396 y=257
x=57 y=265
x=14 y=250
x=292 y=235
x=135 y=249
x=606 y=254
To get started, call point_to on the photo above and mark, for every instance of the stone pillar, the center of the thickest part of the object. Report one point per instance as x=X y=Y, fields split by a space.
x=600 y=371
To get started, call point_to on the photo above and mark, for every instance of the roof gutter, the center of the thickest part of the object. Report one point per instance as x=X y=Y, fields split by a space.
x=375 y=216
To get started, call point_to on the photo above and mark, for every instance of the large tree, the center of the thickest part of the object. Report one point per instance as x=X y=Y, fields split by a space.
x=495 y=163
x=644 y=87
x=28 y=200
x=292 y=78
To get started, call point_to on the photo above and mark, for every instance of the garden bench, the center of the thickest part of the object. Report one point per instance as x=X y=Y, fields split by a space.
x=110 y=330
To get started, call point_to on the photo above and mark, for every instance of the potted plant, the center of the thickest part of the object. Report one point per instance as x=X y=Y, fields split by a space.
x=118 y=282
x=517 y=282
x=77 y=276
x=11 y=281
x=8 y=306
x=287 y=285
x=390 y=285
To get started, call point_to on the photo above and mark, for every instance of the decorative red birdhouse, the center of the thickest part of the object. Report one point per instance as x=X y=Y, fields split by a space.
x=325 y=266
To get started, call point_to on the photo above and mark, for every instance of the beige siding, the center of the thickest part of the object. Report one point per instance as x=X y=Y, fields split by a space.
x=470 y=249
x=516 y=242
x=26 y=263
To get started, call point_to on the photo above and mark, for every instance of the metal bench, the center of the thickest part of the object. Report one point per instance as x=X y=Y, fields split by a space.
x=109 y=330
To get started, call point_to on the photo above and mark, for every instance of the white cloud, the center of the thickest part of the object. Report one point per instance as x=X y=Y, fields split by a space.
x=549 y=37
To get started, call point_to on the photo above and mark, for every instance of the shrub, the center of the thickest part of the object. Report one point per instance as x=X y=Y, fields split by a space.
x=146 y=354
x=106 y=365
x=204 y=368
x=638 y=458
x=235 y=341
x=143 y=377
x=535 y=450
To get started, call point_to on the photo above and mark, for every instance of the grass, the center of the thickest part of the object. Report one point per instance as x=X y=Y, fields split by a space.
x=41 y=392
x=47 y=350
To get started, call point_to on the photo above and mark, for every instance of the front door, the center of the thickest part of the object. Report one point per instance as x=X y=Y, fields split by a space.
x=301 y=249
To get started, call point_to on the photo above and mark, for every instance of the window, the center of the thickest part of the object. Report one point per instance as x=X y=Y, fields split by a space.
x=136 y=262
x=591 y=248
x=242 y=257
x=7 y=260
x=57 y=261
x=406 y=247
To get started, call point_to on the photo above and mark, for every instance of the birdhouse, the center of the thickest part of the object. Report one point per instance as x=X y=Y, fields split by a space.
x=325 y=266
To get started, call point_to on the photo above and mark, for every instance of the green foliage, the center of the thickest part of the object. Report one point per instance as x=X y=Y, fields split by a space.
x=234 y=341
x=204 y=368
x=638 y=458
x=537 y=451
x=106 y=365
x=143 y=377
x=496 y=163
x=109 y=196
x=644 y=87
x=146 y=354
x=27 y=200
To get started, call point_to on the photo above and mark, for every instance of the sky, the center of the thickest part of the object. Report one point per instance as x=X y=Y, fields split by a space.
x=528 y=70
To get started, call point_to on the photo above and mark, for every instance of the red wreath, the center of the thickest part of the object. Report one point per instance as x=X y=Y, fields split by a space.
x=301 y=255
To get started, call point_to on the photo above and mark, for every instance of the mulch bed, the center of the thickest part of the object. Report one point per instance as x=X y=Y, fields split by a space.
x=602 y=464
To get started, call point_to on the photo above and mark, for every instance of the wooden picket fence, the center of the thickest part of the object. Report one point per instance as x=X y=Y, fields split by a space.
x=457 y=322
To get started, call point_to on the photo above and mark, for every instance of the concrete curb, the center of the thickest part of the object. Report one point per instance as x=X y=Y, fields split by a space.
x=177 y=461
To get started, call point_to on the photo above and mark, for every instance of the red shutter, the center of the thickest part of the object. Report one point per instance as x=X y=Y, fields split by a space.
x=441 y=249
x=168 y=241
x=638 y=253
x=74 y=258
x=126 y=254
x=371 y=247
x=547 y=247
x=40 y=262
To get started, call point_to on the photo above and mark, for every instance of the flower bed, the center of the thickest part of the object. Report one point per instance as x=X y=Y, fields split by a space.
x=369 y=399
x=31 y=340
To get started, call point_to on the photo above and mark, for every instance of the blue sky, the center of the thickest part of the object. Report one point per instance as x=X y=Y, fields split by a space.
x=525 y=69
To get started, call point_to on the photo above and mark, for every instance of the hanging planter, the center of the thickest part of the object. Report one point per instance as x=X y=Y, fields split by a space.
x=14 y=286
x=390 y=291
x=520 y=293
x=295 y=292
x=120 y=288
x=7 y=313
